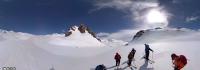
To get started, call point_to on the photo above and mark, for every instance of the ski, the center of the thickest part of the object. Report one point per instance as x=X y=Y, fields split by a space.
x=134 y=66
x=112 y=67
x=151 y=61
x=125 y=62
x=118 y=68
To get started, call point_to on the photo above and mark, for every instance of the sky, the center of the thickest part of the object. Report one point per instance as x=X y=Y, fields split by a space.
x=56 y=16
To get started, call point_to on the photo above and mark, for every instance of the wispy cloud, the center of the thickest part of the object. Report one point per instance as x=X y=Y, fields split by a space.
x=125 y=4
x=175 y=1
x=136 y=9
x=192 y=18
x=125 y=35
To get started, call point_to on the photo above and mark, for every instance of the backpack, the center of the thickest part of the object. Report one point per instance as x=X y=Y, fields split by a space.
x=130 y=56
x=100 y=67
x=183 y=59
x=117 y=57
x=180 y=61
x=133 y=50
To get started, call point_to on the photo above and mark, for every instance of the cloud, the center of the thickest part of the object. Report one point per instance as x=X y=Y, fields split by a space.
x=125 y=35
x=136 y=9
x=192 y=18
x=102 y=34
x=123 y=4
x=175 y=1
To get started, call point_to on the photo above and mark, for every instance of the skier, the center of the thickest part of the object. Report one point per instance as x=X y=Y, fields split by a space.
x=178 y=61
x=100 y=67
x=131 y=56
x=147 y=49
x=117 y=59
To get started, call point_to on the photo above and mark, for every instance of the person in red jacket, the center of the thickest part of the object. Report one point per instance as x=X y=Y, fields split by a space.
x=117 y=59
x=178 y=61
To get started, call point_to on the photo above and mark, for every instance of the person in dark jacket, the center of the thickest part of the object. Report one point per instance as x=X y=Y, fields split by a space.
x=117 y=59
x=131 y=56
x=147 y=49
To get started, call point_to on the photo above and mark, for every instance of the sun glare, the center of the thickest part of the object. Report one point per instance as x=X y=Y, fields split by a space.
x=155 y=16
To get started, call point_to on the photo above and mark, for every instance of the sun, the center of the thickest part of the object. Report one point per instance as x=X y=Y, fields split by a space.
x=156 y=18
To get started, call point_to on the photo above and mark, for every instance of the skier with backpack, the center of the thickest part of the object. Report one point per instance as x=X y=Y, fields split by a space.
x=147 y=50
x=117 y=59
x=131 y=56
x=178 y=61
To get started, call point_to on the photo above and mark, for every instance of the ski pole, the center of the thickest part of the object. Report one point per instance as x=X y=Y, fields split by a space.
x=152 y=56
x=152 y=59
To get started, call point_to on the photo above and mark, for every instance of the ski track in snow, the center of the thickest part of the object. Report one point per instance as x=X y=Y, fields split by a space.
x=30 y=52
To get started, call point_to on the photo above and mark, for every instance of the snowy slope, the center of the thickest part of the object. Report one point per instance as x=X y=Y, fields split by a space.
x=164 y=43
x=32 y=52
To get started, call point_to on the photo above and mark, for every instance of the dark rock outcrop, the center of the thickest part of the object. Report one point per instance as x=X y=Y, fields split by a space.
x=69 y=31
x=68 y=34
x=138 y=34
x=83 y=29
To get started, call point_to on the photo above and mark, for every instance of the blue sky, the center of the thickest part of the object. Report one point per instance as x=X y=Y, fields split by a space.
x=55 y=16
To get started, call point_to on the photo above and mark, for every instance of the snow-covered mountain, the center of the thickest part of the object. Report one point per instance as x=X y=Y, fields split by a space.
x=76 y=36
x=84 y=52
x=158 y=35
x=82 y=29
